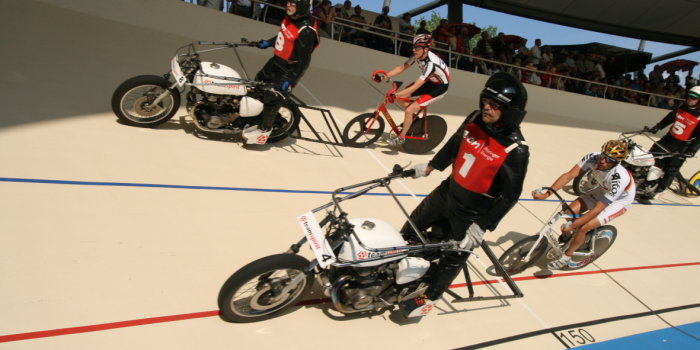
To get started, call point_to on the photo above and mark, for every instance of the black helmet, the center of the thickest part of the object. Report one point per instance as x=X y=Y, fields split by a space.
x=507 y=90
x=303 y=8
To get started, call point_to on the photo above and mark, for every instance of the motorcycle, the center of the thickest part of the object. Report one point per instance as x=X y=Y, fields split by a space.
x=362 y=264
x=641 y=163
x=217 y=99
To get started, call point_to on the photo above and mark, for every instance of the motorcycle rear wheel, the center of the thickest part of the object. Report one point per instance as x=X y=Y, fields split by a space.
x=286 y=121
x=514 y=259
x=132 y=101
x=255 y=292
x=363 y=130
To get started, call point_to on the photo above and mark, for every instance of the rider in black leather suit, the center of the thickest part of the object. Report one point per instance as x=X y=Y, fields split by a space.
x=489 y=158
x=683 y=137
x=293 y=45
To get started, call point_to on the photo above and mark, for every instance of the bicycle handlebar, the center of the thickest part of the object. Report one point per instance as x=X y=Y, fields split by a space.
x=564 y=204
x=376 y=76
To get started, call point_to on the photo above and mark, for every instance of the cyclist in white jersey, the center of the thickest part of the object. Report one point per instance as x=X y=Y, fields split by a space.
x=430 y=86
x=610 y=199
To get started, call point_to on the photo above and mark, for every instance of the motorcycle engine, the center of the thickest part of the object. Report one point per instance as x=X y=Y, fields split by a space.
x=364 y=285
x=215 y=111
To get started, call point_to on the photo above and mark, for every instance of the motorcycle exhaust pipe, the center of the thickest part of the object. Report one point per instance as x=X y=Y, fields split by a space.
x=202 y=127
x=336 y=299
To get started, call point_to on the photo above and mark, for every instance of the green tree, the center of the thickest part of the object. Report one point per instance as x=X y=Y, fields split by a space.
x=434 y=21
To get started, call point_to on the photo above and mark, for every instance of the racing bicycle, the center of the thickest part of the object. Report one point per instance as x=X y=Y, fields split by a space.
x=529 y=250
x=426 y=132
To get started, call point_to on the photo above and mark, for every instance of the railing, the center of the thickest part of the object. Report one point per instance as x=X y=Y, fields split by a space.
x=338 y=25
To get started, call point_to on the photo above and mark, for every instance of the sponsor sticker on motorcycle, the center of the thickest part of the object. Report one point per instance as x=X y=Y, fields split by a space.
x=317 y=240
x=177 y=72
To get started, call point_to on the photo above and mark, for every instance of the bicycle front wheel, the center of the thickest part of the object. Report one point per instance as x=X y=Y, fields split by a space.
x=603 y=237
x=363 y=130
x=522 y=254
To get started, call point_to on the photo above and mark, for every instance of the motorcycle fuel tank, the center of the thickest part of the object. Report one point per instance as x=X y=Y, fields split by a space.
x=212 y=78
x=640 y=157
x=373 y=233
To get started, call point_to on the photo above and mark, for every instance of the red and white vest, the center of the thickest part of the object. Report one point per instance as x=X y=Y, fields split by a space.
x=479 y=159
x=684 y=125
x=284 y=45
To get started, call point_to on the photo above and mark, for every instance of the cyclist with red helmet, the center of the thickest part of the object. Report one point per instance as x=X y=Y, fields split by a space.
x=608 y=200
x=430 y=86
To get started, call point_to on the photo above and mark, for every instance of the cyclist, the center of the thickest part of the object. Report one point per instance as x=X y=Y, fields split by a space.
x=489 y=160
x=294 y=44
x=683 y=137
x=430 y=86
x=603 y=203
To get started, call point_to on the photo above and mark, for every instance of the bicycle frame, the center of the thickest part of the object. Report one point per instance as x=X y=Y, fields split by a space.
x=390 y=98
x=551 y=235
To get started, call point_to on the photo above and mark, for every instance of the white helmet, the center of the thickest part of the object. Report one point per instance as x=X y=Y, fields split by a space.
x=694 y=92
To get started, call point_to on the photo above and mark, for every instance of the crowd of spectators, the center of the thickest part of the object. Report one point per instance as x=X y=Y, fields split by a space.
x=577 y=72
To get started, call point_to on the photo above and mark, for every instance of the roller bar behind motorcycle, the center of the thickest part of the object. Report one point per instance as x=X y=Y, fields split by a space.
x=362 y=264
x=218 y=99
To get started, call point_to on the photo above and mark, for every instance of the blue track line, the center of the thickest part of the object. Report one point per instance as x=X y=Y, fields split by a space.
x=242 y=189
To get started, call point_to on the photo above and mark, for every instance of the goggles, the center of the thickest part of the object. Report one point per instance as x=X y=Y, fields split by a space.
x=610 y=160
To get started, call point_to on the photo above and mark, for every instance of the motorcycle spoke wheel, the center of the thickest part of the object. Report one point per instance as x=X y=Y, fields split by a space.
x=585 y=182
x=262 y=289
x=133 y=101
x=515 y=259
x=363 y=130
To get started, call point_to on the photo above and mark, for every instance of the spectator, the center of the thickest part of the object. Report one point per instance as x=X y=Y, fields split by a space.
x=569 y=60
x=422 y=28
x=689 y=80
x=345 y=11
x=214 y=4
x=443 y=34
x=358 y=37
x=656 y=76
x=547 y=56
x=383 y=21
x=499 y=45
x=524 y=52
x=536 y=52
x=275 y=15
x=530 y=75
x=325 y=14
x=241 y=7
x=484 y=48
x=597 y=67
x=672 y=80
x=406 y=31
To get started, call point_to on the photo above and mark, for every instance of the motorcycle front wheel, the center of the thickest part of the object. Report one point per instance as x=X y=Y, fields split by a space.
x=286 y=121
x=132 y=101
x=515 y=260
x=584 y=182
x=264 y=288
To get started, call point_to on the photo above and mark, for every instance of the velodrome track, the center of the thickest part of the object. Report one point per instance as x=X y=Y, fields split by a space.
x=117 y=237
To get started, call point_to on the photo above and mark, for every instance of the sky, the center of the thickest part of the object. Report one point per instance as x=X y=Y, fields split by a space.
x=551 y=34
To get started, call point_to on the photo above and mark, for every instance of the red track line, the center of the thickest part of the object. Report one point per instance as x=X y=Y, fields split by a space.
x=173 y=318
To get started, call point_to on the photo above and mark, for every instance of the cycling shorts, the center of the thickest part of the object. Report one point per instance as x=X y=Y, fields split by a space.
x=429 y=93
x=612 y=210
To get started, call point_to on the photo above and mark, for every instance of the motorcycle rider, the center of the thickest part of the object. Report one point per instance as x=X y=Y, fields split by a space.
x=603 y=203
x=489 y=160
x=683 y=137
x=431 y=85
x=294 y=44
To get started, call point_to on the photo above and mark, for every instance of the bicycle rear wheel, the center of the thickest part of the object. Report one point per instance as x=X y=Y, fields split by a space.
x=515 y=259
x=363 y=130
x=436 y=130
x=603 y=237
